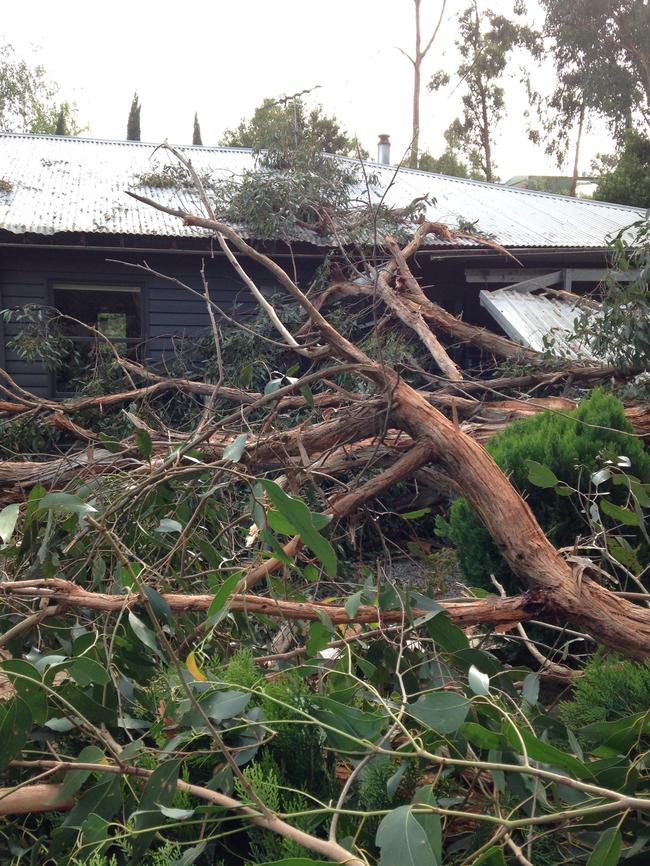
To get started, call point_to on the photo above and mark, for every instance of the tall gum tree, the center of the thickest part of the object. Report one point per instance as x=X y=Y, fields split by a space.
x=486 y=42
x=416 y=59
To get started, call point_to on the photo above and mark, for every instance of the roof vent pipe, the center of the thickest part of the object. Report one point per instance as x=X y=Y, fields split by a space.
x=383 y=150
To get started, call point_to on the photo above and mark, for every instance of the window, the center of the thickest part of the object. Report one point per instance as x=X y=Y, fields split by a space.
x=113 y=311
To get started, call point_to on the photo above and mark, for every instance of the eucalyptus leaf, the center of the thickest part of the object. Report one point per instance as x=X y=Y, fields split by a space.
x=622 y=515
x=403 y=841
x=234 y=450
x=169 y=525
x=296 y=512
x=15 y=727
x=540 y=475
x=219 y=606
x=144 y=633
x=65 y=502
x=160 y=789
x=479 y=682
x=607 y=851
x=74 y=779
x=443 y=712
x=8 y=519
x=174 y=814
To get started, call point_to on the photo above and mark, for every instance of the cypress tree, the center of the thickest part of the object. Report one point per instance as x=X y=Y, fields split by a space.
x=133 y=123
x=61 y=125
x=196 y=135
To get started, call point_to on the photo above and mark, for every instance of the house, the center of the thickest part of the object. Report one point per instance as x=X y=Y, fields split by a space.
x=68 y=233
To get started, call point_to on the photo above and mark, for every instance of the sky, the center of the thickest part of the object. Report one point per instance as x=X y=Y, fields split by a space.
x=222 y=58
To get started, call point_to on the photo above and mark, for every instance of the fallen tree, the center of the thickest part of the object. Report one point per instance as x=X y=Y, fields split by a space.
x=155 y=570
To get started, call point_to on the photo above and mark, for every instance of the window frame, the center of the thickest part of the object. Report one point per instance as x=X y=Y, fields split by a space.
x=92 y=285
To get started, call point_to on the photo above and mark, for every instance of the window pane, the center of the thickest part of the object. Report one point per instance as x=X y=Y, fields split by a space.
x=113 y=312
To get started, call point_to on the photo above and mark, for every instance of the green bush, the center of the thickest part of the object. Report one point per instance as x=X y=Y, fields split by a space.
x=572 y=445
x=609 y=689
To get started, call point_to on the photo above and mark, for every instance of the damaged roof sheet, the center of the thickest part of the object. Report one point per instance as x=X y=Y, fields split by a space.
x=55 y=184
x=541 y=321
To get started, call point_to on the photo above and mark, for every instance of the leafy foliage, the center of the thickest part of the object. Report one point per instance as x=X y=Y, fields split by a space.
x=625 y=177
x=287 y=126
x=620 y=332
x=572 y=445
x=28 y=99
x=485 y=41
x=608 y=689
x=602 y=47
x=447 y=163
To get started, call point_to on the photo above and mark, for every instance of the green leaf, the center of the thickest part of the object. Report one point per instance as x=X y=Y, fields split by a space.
x=443 y=712
x=622 y=515
x=65 y=502
x=530 y=689
x=234 y=450
x=353 y=603
x=307 y=396
x=403 y=841
x=545 y=752
x=272 y=386
x=86 y=671
x=246 y=375
x=103 y=799
x=169 y=525
x=160 y=788
x=430 y=822
x=482 y=737
x=191 y=855
x=74 y=779
x=15 y=727
x=479 y=682
x=160 y=607
x=98 y=570
x=144 y=633
x=446 y=635
x=349 y=723
x=607 y=850
x=620 y=734
x=319 y=636
x=279 y=523
x=217 y=706
x=94 y=833
x=175 y=814
x=27 y=682
x=415 y=515
x=492 y=857
x=219 y=604
x=297 y=513
x=8 y=519
x=540 y=475
x=225 y=705
x=143 y=441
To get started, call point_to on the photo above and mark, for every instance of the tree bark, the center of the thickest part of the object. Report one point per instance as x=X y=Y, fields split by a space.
x=493 y=610
x=33 y=798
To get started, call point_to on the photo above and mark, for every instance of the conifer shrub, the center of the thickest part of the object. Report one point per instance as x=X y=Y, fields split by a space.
x=610 y=688
x=573 y=445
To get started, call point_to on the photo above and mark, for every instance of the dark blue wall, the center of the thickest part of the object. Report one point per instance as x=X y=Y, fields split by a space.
x=170 y=313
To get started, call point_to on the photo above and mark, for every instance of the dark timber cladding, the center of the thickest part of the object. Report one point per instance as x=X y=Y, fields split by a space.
x=163 y=313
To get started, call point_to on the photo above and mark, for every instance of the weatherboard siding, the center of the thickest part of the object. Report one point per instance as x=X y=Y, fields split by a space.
x=170 y=314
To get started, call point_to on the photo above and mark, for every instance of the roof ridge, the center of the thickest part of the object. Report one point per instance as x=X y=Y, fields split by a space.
x=120 y=141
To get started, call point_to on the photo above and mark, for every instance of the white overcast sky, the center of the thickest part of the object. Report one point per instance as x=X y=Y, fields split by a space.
x=221 y=58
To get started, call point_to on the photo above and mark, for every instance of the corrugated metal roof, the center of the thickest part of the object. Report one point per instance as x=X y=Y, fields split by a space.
x=77 y=185
x=538 y=320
